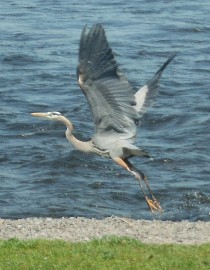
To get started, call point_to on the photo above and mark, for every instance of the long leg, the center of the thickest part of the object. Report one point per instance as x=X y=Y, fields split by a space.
x=141 y=176
x=152 y=202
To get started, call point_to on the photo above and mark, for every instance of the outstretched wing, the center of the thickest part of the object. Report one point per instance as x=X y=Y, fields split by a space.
x=146 y=94
x=107 y=90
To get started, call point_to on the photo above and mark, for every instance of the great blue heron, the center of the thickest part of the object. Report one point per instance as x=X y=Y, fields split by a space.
x=116 y=110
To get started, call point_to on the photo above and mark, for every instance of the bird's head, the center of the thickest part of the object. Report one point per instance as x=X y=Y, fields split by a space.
x=55 y=116
x=49 y=115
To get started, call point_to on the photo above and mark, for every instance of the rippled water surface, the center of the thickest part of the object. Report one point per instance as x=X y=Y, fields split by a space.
x=40 y=172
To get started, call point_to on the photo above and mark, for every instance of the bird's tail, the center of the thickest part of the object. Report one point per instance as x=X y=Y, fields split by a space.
x=133 y=151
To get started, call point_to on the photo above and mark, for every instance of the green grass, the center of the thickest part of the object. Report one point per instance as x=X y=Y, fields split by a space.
x=107 y=253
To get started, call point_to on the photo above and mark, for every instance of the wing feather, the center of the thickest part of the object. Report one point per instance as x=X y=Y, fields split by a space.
x=115 y=109
x=107 y=90
x=145 y=96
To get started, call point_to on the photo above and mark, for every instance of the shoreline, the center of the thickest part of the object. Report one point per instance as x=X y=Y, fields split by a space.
x=78 y=229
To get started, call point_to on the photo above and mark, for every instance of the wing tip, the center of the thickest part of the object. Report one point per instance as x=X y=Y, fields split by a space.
x=95 y=28
x=165 y=64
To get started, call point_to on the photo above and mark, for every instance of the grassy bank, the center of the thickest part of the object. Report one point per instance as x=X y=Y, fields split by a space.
x=107 y=253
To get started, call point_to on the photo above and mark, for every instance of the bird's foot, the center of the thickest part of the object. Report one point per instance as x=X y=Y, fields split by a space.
x=154 y=205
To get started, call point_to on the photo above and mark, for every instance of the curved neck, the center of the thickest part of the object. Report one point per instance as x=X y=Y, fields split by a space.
x=80 y=145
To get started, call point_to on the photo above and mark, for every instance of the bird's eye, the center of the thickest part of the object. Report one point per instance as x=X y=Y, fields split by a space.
x=52 y=114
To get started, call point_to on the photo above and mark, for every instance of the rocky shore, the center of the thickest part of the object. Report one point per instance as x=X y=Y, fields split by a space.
x=83 y=229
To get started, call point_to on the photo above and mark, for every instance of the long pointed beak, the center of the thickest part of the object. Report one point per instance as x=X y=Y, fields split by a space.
x=39 y=114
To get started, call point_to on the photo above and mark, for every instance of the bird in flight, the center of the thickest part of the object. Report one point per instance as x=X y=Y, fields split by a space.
x=115 y=108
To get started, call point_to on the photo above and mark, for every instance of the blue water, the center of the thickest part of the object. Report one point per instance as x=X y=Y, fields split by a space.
x=40 y=172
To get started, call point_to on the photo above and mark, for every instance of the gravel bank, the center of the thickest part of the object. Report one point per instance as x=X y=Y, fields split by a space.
x=83 y=229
